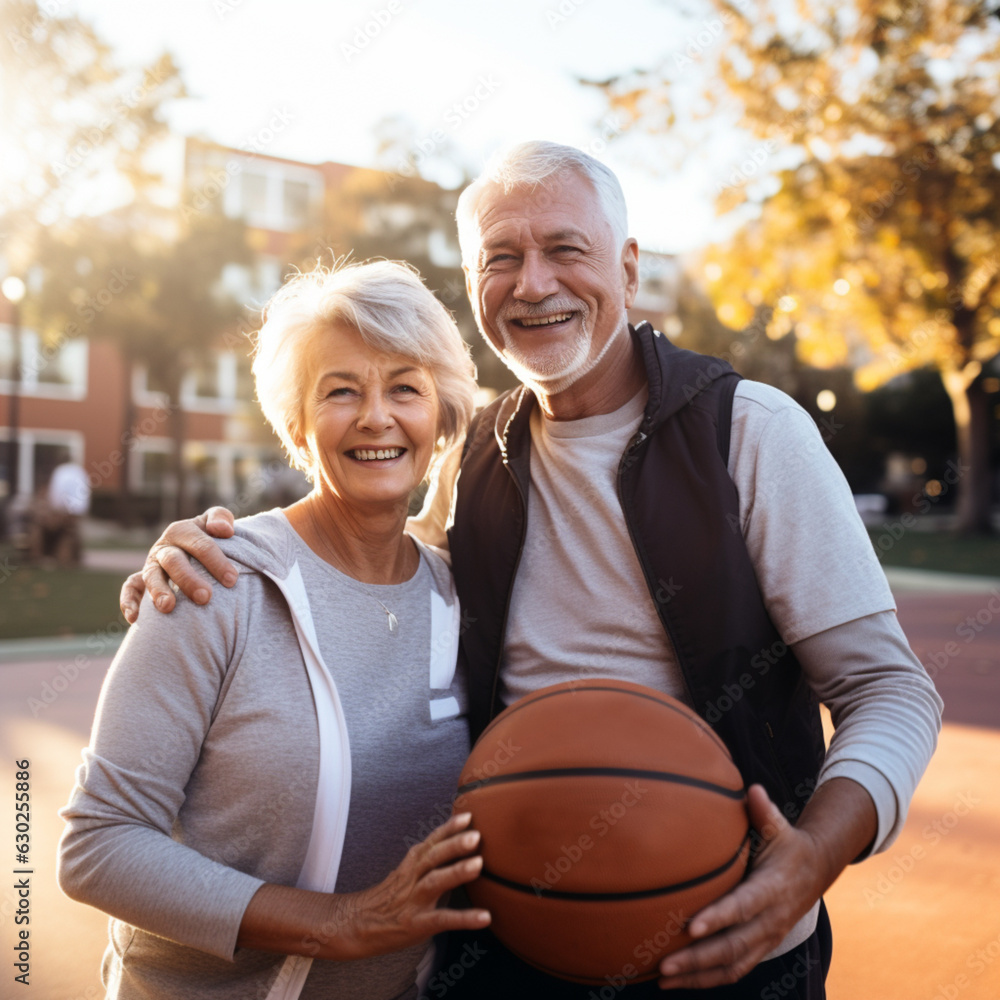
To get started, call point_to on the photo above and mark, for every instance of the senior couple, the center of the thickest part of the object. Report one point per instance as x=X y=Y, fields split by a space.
x=263 y=755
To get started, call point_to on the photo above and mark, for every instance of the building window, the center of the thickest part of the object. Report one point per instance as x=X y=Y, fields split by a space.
x=255 y=204
x=7 y=361
x=38 y=453
x=275 y=196
x=296 y=202
x=57 y=371
x=252 y=285
x=152 y=471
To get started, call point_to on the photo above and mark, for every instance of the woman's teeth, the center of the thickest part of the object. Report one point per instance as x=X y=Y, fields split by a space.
x=370 y=455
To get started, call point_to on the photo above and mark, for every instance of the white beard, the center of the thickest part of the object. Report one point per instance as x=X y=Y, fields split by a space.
x=555 y=370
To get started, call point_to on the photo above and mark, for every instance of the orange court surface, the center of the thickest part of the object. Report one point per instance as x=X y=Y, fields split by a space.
x=919 y=922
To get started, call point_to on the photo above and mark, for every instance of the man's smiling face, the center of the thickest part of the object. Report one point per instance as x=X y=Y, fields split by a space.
x=548 y=283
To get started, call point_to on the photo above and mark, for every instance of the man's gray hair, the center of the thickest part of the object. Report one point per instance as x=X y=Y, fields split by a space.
x=530 y=164
x=394 y=313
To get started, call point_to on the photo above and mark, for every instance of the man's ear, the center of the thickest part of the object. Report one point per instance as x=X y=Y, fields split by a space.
x=630 y=270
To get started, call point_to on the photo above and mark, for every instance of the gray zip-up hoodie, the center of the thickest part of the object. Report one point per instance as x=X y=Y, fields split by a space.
x=220 y=759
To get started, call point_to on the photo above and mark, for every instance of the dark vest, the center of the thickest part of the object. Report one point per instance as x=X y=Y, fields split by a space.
x=682 y=512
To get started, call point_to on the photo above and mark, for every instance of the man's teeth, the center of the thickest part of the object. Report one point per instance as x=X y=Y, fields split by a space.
x=545 y=320
x=369 y=455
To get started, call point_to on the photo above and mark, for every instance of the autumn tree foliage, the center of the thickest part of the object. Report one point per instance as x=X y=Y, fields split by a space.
x=867 y=182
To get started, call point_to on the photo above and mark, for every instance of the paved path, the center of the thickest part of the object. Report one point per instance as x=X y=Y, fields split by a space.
x=920 y=922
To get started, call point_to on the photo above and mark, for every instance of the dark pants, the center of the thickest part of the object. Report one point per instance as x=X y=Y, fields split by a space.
x=478 y=967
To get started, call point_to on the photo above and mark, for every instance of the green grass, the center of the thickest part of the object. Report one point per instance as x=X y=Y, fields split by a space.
x=940 y=551
x=37 y=602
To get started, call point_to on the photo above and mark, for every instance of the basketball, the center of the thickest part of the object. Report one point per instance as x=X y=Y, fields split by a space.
x=609 y=814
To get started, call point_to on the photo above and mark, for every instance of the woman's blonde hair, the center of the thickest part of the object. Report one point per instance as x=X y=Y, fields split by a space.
x=394 y=313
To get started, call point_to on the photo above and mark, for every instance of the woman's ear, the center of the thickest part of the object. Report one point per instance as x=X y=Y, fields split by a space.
x=303 y=453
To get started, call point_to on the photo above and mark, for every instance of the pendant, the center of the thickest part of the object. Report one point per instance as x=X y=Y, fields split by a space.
x=392 y=620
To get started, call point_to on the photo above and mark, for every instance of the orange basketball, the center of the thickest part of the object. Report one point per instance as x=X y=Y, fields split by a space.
x=610 y=814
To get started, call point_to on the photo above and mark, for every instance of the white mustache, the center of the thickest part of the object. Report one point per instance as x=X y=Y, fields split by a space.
x=546 y=308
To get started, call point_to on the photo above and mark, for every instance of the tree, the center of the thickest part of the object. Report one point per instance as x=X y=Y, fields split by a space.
x=869 y=189
x=114 y=252
x=75 y=129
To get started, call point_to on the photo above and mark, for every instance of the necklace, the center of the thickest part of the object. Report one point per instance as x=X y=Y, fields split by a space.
x=391 y=620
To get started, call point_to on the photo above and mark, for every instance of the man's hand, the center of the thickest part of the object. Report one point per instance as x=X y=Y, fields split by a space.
x=792 y=870
x=167 y=561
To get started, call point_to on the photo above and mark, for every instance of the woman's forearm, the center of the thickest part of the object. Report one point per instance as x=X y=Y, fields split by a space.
x=400 y=911
x=294 y=921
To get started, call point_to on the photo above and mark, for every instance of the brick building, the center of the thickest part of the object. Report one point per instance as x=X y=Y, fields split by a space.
x=78 y=395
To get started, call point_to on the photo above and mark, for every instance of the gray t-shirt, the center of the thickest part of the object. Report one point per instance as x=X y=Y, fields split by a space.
x=813 y=560
x=405 y=764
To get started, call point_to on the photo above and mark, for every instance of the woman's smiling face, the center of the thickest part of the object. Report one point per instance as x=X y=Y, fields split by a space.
x=371 y=419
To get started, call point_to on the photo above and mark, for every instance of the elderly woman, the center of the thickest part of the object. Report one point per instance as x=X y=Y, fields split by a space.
x=253 y=807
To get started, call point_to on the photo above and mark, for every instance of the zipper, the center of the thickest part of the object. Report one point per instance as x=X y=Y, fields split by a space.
x=780 y=774
x=517 y=563
x=638 y=439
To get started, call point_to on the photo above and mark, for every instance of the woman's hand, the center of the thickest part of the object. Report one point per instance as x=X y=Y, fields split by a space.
x=400 y=911
x=167 y=561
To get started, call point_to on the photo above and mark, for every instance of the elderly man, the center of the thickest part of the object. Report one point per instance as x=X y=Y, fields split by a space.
x=638 y=511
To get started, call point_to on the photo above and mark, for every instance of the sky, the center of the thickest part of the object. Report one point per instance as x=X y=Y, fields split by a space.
x=461 y=78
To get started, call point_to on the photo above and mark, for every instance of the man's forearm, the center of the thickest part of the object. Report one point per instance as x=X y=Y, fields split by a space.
x=842 y=821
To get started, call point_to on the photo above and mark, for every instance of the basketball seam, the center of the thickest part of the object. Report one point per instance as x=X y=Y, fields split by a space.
x=607 y=772
x=645 y=977
x=607 y=897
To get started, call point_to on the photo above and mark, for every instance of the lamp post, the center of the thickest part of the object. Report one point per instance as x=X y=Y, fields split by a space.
x=13 y=291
